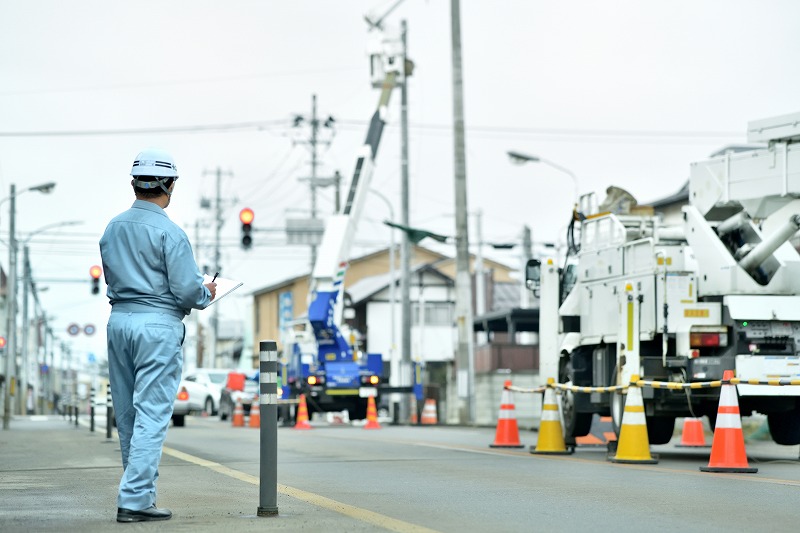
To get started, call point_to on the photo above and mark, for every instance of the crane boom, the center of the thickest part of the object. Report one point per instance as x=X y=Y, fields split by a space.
x=324 y=311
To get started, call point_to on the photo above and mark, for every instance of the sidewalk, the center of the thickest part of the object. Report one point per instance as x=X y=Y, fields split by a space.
x=56 y=477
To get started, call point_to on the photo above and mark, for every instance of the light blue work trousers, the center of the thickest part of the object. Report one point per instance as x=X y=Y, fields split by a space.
x=144 y=364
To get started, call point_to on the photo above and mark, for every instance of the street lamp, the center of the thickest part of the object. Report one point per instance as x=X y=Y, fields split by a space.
x=27 y=282
x=519 y=158
x=11 y=290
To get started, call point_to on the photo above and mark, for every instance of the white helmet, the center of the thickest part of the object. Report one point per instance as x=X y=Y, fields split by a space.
x=156 y=163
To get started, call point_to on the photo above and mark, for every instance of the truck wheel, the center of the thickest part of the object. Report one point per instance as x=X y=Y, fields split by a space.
x=575 y=424
x=660 y=429
x=785 y=427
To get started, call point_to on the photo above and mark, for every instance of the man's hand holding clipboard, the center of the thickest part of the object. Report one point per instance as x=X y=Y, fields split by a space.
x=224 y=286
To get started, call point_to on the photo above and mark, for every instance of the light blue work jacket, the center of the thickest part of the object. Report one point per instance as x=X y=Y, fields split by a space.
x=149 y=265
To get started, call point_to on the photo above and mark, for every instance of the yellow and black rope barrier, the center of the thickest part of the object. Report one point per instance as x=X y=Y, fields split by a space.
x=669 y=385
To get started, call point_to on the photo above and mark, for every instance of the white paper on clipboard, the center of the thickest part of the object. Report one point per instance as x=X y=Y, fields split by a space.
x=225 y=286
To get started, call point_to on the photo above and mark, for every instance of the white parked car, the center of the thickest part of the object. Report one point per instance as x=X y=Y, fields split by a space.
x=204 y=386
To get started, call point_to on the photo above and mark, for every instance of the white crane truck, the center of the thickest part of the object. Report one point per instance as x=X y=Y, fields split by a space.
x=718 y=290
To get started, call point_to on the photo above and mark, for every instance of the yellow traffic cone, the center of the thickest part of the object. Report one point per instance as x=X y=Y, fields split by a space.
x=551 y=436
x=633 y=446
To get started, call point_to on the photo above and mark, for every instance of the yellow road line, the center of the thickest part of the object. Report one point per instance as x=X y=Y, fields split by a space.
x=357 y=513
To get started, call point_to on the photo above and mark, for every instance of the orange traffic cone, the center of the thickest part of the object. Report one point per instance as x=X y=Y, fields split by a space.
x=237 y=420
x=507 y=433
x=429 y=416
x=255 y=415
x=372 y=415
x=302 y=414
x=727 y=448
x=413 y=417
x=551 y=436
x=633 y=446
x=692 y=436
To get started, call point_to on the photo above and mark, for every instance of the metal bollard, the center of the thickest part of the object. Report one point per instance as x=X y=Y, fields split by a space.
x=268 y=399
x=91 y=410
x=109 y=413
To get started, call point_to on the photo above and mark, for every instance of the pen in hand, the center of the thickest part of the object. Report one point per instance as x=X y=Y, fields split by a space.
x=215 y=277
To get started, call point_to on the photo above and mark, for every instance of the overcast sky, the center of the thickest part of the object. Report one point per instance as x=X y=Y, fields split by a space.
x=624 y=93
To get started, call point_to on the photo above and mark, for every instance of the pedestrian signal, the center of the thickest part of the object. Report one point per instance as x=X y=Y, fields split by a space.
x=95 y=273
x=246 y=215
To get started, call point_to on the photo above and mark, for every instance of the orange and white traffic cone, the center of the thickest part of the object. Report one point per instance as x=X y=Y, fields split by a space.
x=693 y=435
x=372 y=415
x=413 y=418
x=255 y=415
x=727 y=448
x=551 y=436
x=237 y=420
x=633 y=446
x=302 y=414
x=429 y=417
x=507 y=433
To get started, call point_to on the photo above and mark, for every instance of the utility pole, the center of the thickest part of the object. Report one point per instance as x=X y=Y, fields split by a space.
x=219 y=221
x=405 y=248
x=23 y=374
x=11 y=309
x=480 y=281
x=464 y=360
x=314 y=181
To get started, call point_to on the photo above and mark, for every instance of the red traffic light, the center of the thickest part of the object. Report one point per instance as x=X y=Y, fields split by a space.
x=246 y=215
x=95 y=272
x=2 y=342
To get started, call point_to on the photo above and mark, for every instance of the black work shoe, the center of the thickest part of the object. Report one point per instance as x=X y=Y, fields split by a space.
x=145 y=515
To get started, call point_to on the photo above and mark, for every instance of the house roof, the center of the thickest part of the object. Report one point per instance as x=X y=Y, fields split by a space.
x=366 y=288
x=372 y=255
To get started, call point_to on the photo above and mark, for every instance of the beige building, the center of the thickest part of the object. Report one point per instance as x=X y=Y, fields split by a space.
x=267 y=308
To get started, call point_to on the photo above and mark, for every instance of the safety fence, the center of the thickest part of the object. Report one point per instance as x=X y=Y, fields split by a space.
x=670 y=385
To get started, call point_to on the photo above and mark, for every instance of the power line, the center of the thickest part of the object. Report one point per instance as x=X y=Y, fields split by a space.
x=266 y=125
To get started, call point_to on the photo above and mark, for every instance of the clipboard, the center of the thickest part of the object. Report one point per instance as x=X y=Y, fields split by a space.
x=225 y=286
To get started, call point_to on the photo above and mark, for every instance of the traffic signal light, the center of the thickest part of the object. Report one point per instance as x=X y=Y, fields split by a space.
x=246 y=215
x=95 y=272
x=2 y=343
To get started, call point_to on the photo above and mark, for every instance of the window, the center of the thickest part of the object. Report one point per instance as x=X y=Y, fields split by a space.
x=436 y=314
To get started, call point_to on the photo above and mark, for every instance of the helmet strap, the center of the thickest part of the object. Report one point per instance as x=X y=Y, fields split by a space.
x=159 y=182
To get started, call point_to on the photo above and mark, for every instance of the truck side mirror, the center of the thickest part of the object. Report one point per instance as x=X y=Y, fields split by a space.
x=533 y=274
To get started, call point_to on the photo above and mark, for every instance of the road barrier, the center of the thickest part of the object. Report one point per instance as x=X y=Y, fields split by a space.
x=727 y=450
x=551 y=435
x=507 y=433
x=268 y=455
x=109 y=413
x=633 y=445
x=372 y=415
x=302 y=414
x=692 y=435
x=673 y=385
x=91 y=410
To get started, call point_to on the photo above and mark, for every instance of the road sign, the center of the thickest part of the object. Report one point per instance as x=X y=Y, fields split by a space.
x=73 y=329
x=89 y=329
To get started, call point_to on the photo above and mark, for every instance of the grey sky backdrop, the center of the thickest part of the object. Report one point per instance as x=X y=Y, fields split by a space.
x=624 y=93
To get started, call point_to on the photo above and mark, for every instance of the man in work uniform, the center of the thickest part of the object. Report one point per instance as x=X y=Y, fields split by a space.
x=153 y=283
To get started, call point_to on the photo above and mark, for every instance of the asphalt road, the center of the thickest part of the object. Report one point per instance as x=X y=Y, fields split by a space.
x=448 y=479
